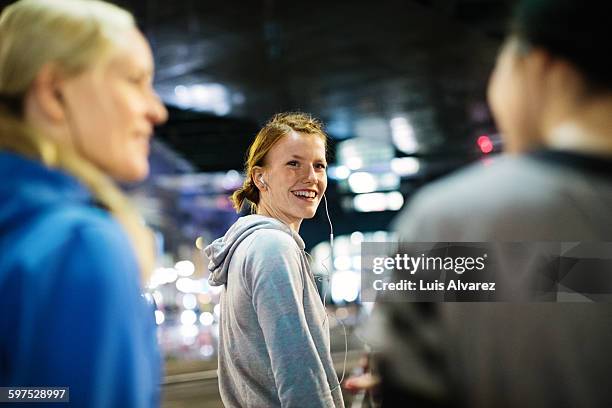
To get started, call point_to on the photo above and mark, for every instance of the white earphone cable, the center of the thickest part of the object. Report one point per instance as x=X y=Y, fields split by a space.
x=327 y=276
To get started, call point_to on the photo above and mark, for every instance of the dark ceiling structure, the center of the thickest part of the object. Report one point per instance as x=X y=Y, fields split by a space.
x=228 y=66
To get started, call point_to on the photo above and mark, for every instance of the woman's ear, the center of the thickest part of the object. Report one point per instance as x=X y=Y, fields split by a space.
x=44 y=99
x=258 y=177
x=555 y=87
x=538 y=63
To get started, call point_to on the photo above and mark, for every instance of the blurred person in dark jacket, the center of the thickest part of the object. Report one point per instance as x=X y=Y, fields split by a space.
x=77 y=110
x=551 y=94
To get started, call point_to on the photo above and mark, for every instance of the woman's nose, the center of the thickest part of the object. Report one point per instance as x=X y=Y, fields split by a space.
x=311 y=175
x=158 y=113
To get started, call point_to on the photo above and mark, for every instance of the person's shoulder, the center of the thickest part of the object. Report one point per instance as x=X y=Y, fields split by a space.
x=98 y=226
x=96 y=256
x=48 y=205
x=272 y=240
x=271 y=246
x=103 y=249
x=482 y=199
x=85 y=222
x=78 y=235
x=485 y=184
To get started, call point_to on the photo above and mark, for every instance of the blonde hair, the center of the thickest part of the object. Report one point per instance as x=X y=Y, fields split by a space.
x=74 y=35
x=280 y=125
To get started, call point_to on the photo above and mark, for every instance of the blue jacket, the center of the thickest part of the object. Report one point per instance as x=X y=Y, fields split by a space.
x=71 y=310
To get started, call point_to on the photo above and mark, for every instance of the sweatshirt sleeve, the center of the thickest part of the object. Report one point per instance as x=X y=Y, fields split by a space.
x=89 y=328
x=277 y=293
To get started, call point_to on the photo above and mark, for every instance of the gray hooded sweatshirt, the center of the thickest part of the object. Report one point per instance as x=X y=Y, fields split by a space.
x=273 y=335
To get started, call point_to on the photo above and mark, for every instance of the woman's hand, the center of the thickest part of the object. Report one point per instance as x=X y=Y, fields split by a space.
x=362 y=379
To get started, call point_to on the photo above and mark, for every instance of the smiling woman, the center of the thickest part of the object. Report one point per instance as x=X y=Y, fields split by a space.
x=273 y=337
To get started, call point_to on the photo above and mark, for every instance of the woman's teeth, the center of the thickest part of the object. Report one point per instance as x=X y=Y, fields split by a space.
x=306 y=194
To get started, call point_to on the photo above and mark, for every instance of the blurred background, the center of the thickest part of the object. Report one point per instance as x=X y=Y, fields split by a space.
x=401 y=87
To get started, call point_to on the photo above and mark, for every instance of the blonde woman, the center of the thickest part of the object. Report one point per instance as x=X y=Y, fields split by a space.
x=77 y=110
x=273 y=337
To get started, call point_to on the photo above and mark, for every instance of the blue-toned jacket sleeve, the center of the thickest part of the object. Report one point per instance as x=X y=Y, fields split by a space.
x=89 y=328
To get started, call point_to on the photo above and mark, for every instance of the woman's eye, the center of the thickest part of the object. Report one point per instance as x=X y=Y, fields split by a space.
x=136 y=80
x=292 y=163
x=321 y=166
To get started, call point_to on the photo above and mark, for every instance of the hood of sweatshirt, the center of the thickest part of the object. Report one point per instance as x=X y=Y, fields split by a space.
x=221 y=250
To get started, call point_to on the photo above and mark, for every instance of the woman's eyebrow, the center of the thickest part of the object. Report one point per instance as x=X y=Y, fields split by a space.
x=297 y=156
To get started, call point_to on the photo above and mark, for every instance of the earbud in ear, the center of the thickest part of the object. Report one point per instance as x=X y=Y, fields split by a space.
x=262 y=181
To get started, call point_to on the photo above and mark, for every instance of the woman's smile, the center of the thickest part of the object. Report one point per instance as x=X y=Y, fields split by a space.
x=306 y=195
